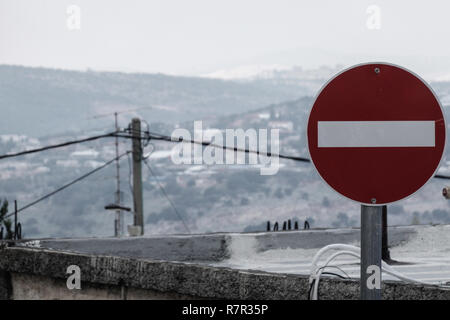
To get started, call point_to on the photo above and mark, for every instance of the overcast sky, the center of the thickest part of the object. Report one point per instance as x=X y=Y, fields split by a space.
x=193 y=37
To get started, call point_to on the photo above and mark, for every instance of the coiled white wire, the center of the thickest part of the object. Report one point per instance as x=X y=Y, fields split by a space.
x=349 y=250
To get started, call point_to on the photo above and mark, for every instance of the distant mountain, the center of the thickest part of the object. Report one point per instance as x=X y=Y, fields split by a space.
x=312 y=79
x=39 y=101
x=274 y=72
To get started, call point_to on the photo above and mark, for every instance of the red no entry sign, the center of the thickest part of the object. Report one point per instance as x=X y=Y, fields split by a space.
x=376 y=133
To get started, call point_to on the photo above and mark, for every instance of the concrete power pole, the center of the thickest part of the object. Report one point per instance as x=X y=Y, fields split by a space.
x=118 y=223
x=137 y=174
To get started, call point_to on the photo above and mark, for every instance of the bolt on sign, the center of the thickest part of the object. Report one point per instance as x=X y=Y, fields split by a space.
x=376 y=133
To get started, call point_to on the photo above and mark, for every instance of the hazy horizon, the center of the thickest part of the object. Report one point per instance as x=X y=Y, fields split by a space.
x=201 y=37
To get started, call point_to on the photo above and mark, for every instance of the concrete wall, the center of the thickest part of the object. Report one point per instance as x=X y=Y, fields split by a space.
x=172 y=268
x=105 y=276
x=33 y=287
x=5 y=285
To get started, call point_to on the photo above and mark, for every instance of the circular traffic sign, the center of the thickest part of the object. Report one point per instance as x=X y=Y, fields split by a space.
x=376 y=133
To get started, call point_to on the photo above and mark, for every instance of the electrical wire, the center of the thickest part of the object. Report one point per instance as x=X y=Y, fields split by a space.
x=326 y=273
x=267 y=154
x=167 y=197
x=320 y=270
x=149 y=135
x=68 y=184
x=354 y=252
x=338 y=268
x=59 y=145
x=335 y=274
x=441 y=176
x=156 y=136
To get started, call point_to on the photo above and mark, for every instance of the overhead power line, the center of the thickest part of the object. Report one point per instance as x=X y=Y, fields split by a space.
x=68 y=184
x=59 y=145
x=441 y=176
x=166 y=196
x=157 y=136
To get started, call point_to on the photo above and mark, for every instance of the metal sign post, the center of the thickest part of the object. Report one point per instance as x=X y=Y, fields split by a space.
x=371 y=243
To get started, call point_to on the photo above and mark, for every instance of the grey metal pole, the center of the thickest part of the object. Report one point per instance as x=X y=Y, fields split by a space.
x=371 y=240
x=137 y=174
x=15 y=220
x=385 y=255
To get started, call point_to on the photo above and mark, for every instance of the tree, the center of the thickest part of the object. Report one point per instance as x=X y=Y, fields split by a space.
x=4 y=221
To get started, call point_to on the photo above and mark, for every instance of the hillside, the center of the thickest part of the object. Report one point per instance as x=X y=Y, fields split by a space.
x=38 y=101
x=42 y=106
x=209 y=198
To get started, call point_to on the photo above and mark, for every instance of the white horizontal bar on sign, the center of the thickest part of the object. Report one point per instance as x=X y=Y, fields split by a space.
x=345 y=134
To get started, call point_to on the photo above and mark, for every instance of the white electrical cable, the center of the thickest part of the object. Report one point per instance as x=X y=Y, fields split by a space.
x=353 y=251
x=336 y=246
x=317 y=276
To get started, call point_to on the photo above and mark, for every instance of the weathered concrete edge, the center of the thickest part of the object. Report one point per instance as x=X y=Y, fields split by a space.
x=205 y=247
x=210 y=247
x=194 y=279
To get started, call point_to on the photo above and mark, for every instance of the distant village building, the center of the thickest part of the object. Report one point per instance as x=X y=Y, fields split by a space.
x=286 y=126
x=89 y=153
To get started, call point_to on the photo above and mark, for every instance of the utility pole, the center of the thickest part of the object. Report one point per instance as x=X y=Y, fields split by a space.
x=118 y=223
x=137 y=174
